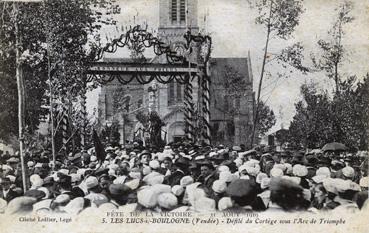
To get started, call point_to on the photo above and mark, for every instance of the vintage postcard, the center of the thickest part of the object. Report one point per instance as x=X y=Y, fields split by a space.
x=184 y=116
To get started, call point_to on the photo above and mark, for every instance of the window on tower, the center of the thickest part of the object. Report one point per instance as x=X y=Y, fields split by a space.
x=182 y=10
x=171 y=94
x=174 y=10
x=179 y=92
x=175 y=93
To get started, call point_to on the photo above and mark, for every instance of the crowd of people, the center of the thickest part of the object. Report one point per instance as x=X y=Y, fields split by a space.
x=184 y=178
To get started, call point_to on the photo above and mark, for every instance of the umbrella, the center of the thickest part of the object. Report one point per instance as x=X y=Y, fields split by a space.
x=334 y=146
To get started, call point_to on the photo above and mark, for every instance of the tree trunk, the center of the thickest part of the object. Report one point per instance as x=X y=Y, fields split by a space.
x=261 y=79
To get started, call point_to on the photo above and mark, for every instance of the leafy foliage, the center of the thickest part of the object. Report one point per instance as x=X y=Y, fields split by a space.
x=312 y=124
x=332 y=50
x=320 y=120
x=293 y=56
x=57 y=33
x=279 y=16
x=266 y=119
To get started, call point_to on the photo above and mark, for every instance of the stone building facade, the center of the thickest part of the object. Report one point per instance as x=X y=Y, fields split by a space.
x=228 y=127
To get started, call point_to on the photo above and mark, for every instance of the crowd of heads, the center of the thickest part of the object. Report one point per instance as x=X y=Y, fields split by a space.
x=184 y=178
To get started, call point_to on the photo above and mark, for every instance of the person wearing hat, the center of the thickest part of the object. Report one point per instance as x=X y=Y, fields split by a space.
x=118 y=194
x=58 y=204
x=336 y=168
x=64 y=184
x=39 y=195
x=167 y=166
x=30 y=167
x=320 y=196
x=286 y=195
x=144 y=157
x=301 y=171
x=94 y=191
x=181 y=165
x=242 y=193
x=76 y=191
x=348 y=173
x=104 y=182
x=207 y=174
x=263 y=198
x=329 y=186
x=346 y=193
x=7 y=192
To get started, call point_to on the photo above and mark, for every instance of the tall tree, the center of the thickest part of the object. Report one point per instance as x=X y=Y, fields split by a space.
x=320 y=119
x=266 y=119
x=312 y=125
x=280 y=18
x=332 y=50
x=55 y=36
x=351 y=115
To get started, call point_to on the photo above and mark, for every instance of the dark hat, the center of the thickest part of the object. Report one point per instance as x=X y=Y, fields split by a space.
x=207 y=164
x=232 y=165
x=182 y=161
x=104 y=176
x=337 y=165
x=45 y=165
x=64 y=178
x=220 y=156
x=240 y=188
x=77 y=192
x=48 y=181
x=119 y=189
x=35 y=193
x=283 y=185
x=287 y=194
x=144 y=152
x=102 y=171
x=324 y=161
x=312 y=161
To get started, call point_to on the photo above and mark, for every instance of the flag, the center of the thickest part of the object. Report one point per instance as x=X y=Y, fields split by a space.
x=99 y=148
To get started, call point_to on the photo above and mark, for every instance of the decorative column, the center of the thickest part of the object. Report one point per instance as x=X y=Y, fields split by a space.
x=188 y=102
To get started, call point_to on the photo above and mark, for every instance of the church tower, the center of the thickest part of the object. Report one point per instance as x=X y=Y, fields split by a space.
x=176 y=17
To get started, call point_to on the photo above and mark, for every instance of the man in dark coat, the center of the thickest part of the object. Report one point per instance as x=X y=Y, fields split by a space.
x=7 y=193
x=181 y=165
x=207 y=174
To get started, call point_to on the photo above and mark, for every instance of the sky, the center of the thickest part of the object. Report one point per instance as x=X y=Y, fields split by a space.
x=231 y=24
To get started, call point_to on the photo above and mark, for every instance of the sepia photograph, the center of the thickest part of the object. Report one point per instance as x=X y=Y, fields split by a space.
x=184 y=115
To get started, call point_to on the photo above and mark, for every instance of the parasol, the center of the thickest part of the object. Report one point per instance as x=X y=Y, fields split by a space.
x=334 y=146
